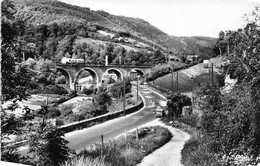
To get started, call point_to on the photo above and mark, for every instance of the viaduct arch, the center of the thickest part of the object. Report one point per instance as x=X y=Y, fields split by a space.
x=72 y=72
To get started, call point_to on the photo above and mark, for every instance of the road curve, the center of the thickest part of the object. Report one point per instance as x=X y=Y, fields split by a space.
x=80 y=139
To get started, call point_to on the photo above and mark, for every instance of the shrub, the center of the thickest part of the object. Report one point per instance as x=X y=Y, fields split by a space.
x=72 y=94
x=59 y=122
x=85 y=161
x=190 y=146
x=53 y=112
x=132 y=155
x=49 y=89
x=128 y=95
x=195 y=152
x=87 y=91
x=66 y=109
x=61 y=80
x=191 y=120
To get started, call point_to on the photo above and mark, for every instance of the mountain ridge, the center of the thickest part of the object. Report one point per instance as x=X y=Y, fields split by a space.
x=38 y=12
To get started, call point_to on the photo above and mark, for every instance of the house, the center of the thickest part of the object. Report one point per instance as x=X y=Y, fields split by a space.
x=193 y=58
x=172 y=57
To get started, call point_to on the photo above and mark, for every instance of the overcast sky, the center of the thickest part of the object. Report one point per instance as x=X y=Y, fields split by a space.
x=179 y=17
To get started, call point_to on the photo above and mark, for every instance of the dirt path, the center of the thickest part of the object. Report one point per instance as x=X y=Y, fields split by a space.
x=170 y=153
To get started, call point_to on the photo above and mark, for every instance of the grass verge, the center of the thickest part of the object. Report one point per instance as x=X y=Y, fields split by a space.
x=126 y=151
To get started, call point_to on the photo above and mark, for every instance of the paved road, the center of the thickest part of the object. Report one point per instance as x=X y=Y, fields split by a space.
x=78 y=140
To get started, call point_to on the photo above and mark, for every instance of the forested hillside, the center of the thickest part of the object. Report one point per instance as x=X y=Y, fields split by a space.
x=45 y=24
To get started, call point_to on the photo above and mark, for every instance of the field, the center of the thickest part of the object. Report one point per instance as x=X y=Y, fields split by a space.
x=200 y=75
x=94 y=43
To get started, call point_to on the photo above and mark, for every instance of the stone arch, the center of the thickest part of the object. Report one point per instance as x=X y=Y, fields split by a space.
x=92 y=72
x=118 y=73
x=66 y=74
x=133 y=73
x=139 y=71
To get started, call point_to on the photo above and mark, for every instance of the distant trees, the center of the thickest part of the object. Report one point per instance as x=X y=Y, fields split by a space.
x=163 y=69
x=117 y=89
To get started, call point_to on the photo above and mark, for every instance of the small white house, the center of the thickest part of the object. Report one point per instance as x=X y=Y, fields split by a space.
x=229 y=83
x=206 y=63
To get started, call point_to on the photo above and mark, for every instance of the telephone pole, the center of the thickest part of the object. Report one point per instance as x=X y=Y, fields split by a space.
x=212 y=74
x=137 y=88
x=124 y=96
x=172 y=81
x=177 y=81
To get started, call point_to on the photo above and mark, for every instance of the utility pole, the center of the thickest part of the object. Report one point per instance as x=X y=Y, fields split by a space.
x=172 y=80
x=177 y=81
x=137 y=88
x=192 y=92
x=102 y=146
x=212 y=74
x=124 y=97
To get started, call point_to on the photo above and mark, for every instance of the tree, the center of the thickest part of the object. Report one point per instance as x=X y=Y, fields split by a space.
x=110 y=52
x=15 y=78
x=46 y=143
x=229 y=120
x=117 y=89
x=101 y=100
x=10 y=124
x=244 y=50
x=175 y=103
x=48 y=147
x=220 y=42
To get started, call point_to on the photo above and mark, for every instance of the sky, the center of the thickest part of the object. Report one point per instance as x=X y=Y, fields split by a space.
x=179 y=17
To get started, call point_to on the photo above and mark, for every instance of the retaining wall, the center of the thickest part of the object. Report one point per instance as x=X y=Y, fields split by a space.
x=99 y=119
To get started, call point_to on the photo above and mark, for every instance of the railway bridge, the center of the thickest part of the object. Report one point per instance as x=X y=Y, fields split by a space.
x=72 y=72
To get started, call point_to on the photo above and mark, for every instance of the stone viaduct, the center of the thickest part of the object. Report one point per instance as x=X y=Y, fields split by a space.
x=73 y=71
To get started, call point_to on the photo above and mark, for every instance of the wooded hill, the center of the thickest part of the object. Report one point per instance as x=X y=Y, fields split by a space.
x=46 y=20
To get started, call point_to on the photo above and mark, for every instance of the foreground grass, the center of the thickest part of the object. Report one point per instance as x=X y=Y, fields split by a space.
x=127 y=151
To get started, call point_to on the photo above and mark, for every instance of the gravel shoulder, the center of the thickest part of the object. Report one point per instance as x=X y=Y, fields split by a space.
x=170 y=153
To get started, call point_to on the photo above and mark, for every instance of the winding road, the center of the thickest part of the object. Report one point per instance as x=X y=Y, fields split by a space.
x=167 y=155
x=80 y=139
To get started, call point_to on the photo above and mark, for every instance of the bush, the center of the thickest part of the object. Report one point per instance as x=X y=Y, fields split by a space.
x=53 y=112
x=61 y=80
x=66 y=109
x=128 y=95
x=196 y=153
x=59 y=122
x=72 y=94
x=85 y=161
x=49 y=89
x=87 y=91
x=191 y=120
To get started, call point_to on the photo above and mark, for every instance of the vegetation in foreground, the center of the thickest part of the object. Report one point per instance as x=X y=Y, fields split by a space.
x=127 y=151
x=228 y=126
